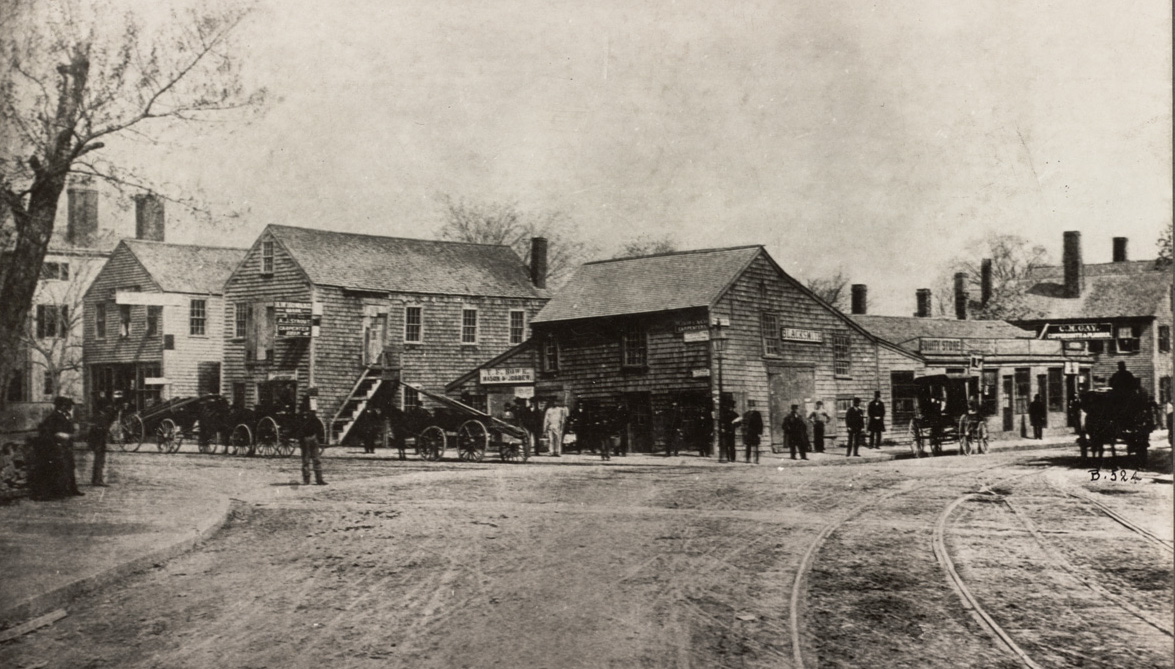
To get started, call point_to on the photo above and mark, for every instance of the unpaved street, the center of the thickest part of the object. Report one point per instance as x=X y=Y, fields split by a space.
x=643 y=563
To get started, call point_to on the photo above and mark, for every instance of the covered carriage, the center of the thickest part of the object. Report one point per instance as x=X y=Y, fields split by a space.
x=1113 y=417
x=947 y=413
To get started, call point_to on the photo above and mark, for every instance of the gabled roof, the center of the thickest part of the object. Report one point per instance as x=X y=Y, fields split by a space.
x=648 y=284
x=1112 y=290
x=901 y=329
x=181 y=268
x=396 y=264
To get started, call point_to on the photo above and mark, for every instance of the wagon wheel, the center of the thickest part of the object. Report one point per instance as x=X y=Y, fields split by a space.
x=168 y=436
x=127 y=432
x=268 y=436
x=240 y=442
x=516 y=450
x=431 y=443
x=205 y=444
x=917 y=439
x=981 y=437
x=472 y=441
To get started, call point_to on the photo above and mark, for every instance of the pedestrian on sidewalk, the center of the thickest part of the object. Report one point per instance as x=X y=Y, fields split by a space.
x=795 y=433
x=554 y=424
x=855 y=423
x=96 y=439
x=53 y=473
x=1037 y=415
x=310 y=447
x=819 y=418
x=876 y=420
x=752 y=422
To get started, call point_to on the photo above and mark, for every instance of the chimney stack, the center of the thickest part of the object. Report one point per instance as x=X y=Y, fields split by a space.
x=538 y=262
x=985 y=281
x=860 y=301
x=923 y=297
x=1120 y=249
x=961 y=296
x=1074 y=269
x=149 y=217
x=82 y=226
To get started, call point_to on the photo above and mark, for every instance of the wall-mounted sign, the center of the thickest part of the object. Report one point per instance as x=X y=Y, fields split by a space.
x=1071 y=367
x=940 y=345
x=798 y=334
x=506 y=376
x=293 y=319
x=155 y=381
x=695 y=335
x=1074 y=346
x=701 y=373
x=524 y=392
x=692 y=326
x=1079 y=331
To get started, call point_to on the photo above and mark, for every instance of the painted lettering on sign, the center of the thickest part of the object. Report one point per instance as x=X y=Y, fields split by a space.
x=798 y=334
x=700 y=373
x=1079 y=331
x=506 y=375
x=292 y=319
x=696 y=335
x=940 y=345
x=692 y=326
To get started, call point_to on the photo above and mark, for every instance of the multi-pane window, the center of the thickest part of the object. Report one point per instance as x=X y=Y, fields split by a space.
x=411 y=398
x=1164 y=389
x=469 y=326
x=55 y=271
x=267 y=257
x=413 y=324
x=550 y=355
x=100 y=321
x=1023 y=380
x=197 y=317
x=1164 y=339
x=1127 y=339
x=1056 y=397
x=517 y=326
x=52 y=321
x=124 y=320
x=18 y=386
x=842 y=353
x=48 y=383
x=634 y=348
x=154 y=320
x=769 y=325
x=241 y=320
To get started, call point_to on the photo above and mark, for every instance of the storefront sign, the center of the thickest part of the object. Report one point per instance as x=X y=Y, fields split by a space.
x=692 y=326
x=525 y=392
x=293 y=319
x=281 y=376
x=797 y=334
x=155 y=381
x=1079 y=331
x=700 y=373
x=506 y=376
x=690 y=336
x=1074 y=346
x=940 y=345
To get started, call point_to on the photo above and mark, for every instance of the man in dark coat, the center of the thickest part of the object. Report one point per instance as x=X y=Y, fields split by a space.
x=876 y=411
x=855 y=424
x=310 y=447
x=795 y=433
x=96 y=439
x=1036 y=416
x=752 y=422
x=54 y=464
x=1123 y=382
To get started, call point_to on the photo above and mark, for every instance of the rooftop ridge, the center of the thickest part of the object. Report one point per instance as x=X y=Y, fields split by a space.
x=675 y=253
x=152 y=242
x=371 y=236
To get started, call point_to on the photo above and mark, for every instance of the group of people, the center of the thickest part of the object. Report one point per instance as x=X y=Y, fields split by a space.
x=858 y=421
x=52 y=470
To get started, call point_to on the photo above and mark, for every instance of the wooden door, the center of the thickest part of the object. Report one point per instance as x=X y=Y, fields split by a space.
x=788 y=386
x=375 y=335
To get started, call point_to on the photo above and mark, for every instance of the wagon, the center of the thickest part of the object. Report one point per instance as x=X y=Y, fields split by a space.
x=268 y=430
x=472 y=432
x=168 y=423
x=1113 y=417
x=943 y=416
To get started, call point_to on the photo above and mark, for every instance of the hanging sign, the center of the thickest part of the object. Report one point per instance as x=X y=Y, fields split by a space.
x=690 y=336
x=293 y=319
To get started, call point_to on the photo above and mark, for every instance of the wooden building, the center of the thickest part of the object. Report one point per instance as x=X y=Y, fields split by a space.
x=342 y=316
x=686 y=327
x=153 y=328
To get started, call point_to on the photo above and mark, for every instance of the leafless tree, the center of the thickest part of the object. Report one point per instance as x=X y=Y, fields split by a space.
x=646 y=246
x=1164 y=246
x=54 y=331
x=1013 y=263
x=505 y=223
x=75 y=76
x=831 y=289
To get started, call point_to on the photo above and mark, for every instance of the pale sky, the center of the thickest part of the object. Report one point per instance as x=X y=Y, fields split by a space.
x=878 y=138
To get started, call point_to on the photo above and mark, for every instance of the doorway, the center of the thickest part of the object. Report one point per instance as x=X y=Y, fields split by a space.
x=788 y=386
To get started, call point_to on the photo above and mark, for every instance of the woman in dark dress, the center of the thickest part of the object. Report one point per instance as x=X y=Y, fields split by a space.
x=52 y=475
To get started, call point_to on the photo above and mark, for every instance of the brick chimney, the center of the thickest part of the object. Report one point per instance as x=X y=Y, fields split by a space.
x=860 y=299
x=961 y=295
x=985 y=281
x=1074 y=269
x=538 y=262
x=149 y=217
x=1120 y=249
x=923 y=297
x=82 y=226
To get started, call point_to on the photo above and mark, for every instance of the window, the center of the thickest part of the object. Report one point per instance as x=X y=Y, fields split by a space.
x=154 y=320
x=517 y=326
x=1023 y=377
x=100 y=321
x=1128 y=339
x=988 y=384
x=469 y=326
x=241 y=320
x=769 y=326
x=48 y=383
x=52 y=321
x=1164 y=389
x=550 y=354
x=1164 y=339
x=1056 y=397
x=267 y=257
x=634 y=348
x=18 y=386
x=197 y=317
x=413 y=322
x=411 y=398
x=124 y=320
x=55 y=271
x=842 y=354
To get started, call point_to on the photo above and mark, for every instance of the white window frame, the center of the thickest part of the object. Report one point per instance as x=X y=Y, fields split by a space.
x=476 y=326
x=267 y=256
x=241 y=320
x=100 y=320
x=124 y=324
x=551 y=345
x=202 y=319
x=419 y=325
x=634 y=333
x=522 y=328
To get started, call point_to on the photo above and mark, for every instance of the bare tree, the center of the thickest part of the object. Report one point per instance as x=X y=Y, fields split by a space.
x=506 y=223
x=1164 y=246
x=646 y=246
x=831 y=289
x=74 y=77
x=54 y=329
x=1013 y=263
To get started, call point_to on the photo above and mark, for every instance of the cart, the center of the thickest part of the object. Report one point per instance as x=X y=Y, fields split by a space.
x=267 y=430
x=944 y=415
x=1113 y=417
x=169 y=423
x=472 y=432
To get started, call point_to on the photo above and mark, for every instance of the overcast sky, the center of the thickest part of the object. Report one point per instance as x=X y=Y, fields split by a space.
x=878 y=138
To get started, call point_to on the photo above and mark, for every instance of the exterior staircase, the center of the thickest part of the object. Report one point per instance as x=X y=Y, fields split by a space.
x=353 y=407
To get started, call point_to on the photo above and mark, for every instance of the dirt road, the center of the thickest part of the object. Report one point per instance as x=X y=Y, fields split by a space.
x=633 y=564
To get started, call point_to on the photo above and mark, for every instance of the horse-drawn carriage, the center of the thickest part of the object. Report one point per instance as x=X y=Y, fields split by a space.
x=471 y=431
x=1116 y=416
x=944 y=414
x=168 y=423
x=269 y=430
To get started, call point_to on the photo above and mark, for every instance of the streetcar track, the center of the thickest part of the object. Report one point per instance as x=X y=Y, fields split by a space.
x=1162 y=543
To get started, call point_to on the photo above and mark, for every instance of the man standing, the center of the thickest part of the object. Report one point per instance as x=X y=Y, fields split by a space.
x=795 y=433
x=56 y=437
x=819 y=418
x=308 y=443
x=554 y=423
x=876 y=420
x=855 y=423
x=96 y=439
x=752 y=430
x=1036 y=415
